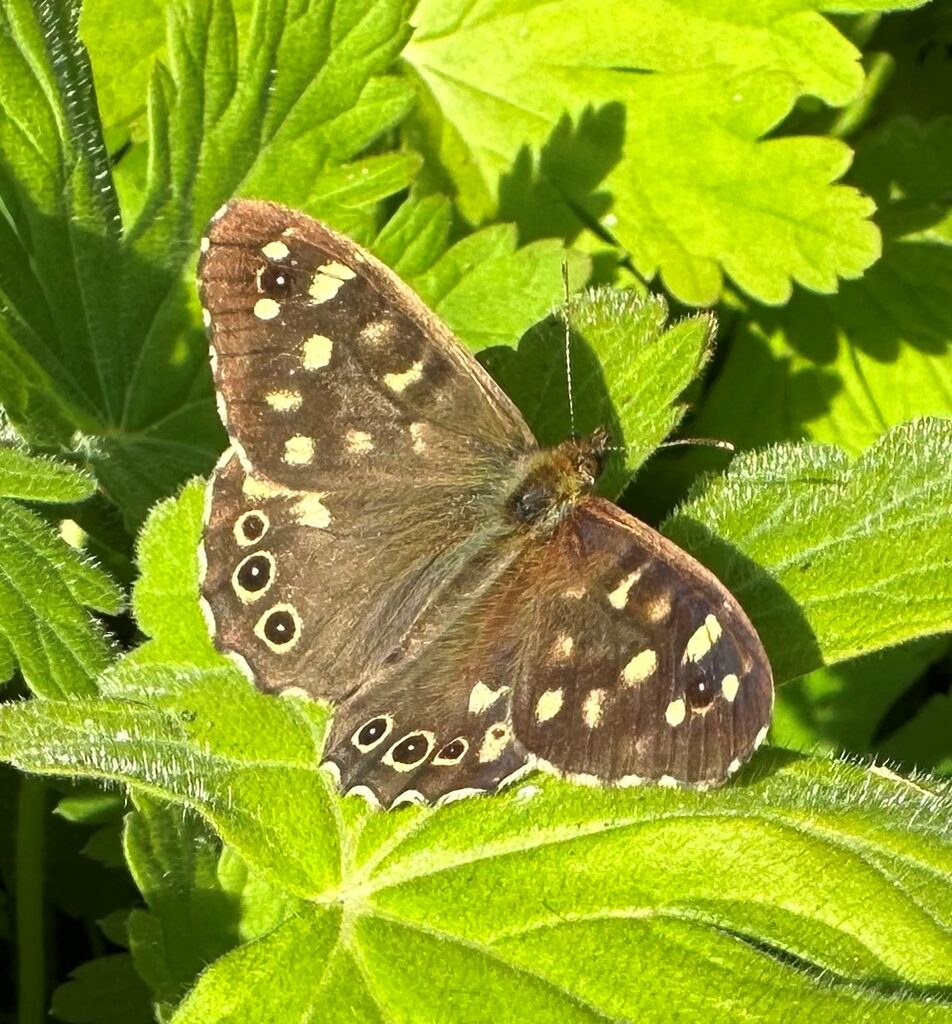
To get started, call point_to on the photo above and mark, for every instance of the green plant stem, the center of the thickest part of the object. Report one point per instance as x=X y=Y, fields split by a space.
x=31 y=821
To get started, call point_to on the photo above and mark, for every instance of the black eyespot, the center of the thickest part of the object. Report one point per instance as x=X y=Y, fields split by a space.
x=255 y=573
x=252 y=526
x=280 y=627
x=275 y=280
x=411 y=749
x=699 y=688
x=372 y=732
x=452 y=752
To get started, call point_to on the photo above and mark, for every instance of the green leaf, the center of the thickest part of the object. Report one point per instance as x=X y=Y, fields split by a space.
x=818 y=886
x=101 y=329
x=800 y=877
x=844 y=368
x=191 y=919
x=165 y=597
x=831 y=559
x=490 y=292
x=698 y=190
x=44 y=586
x=103 y=991
x=846 y=707
x=37 y=478
x=628 y=369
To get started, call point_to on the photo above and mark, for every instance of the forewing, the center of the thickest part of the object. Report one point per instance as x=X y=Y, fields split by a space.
x=329 y=368
x=635 y=662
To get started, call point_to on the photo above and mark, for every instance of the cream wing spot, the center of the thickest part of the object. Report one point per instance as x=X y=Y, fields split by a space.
x=276 y=250
x=204 y=243
x=328 y=281
x=495 y=741
x=656 y=608
x=730 y=684
x=399 y=382
x=417 y=437
x=310 y=510
x=266 y=309
x=298 y=450
x=639 y=668
x=206 y=317
x=482 y=698
x=359 y=442
x=284 y=401
x=618 y=597
x=592 y=707
x=316 y=352
x=702 y=639
x=549 y=705
x=675 y=712
x=562 y=648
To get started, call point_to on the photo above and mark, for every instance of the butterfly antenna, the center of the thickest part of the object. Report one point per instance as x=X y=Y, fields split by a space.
x=568 y=344
x=705 y=442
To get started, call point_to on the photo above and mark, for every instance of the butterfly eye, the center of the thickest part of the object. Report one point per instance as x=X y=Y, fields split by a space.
x=372 y=732
x=410 y=752
x=280 y=628
x=251 y=527
x=452 y=752
x=275 y=281
x=254 y=576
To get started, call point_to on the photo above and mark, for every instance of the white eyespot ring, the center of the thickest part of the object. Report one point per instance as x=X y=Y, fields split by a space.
x=279 y=628
x=446 y=756
x=245 y=580
x=250 y=527
x=375 y=730
x=405 y=754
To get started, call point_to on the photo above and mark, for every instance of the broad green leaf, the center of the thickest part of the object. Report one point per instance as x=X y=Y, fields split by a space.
x=832 y=559
x=37 y=478
x=925 y=739
x=844 y=368
x=490 y=292
x=698 y=191
x=103 y=991
x=628 y=369
x=848 y=707
x=45 y=588
x=801 y=871
x=198 y=898
x=101 y=331
x=165 y=598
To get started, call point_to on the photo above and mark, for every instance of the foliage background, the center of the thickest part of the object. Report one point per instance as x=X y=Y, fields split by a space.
x=789 y=163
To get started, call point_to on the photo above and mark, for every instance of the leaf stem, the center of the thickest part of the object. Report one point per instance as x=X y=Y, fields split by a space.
x=31 y=975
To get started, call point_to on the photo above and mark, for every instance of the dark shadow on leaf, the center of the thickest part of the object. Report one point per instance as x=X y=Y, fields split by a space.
x=557 y=194
x=786 y=633
x=535 y=378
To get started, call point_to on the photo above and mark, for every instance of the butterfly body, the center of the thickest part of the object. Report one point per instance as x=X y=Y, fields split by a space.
x=385 y=534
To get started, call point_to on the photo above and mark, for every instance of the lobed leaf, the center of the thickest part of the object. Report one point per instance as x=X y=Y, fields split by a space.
x=685 y=97
x=628 y=368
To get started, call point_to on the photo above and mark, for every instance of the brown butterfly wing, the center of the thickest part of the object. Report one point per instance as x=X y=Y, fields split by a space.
x=637 y=663
x=367 y=448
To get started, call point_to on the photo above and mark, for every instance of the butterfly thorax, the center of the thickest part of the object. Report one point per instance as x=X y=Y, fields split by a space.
x=556 y=479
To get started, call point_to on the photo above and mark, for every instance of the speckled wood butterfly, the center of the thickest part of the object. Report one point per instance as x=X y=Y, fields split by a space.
x=385 y=533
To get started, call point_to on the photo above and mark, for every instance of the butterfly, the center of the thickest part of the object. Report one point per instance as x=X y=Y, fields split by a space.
x=385 y=533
